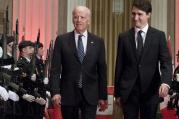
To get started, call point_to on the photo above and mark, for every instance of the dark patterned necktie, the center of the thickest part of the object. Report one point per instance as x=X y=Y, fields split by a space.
x=80 y=49
x=81 y=55
x=139 y=44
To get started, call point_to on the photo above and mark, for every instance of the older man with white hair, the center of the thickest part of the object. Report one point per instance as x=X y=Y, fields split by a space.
x=78 y=71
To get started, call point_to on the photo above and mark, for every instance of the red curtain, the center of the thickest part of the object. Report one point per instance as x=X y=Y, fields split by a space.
x=34 y=15
x=176 y=28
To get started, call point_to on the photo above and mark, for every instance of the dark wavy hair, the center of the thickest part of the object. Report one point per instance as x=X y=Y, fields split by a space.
x=144 y=5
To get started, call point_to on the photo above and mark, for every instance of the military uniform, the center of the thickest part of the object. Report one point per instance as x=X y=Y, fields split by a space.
x=12 y=108
x=40 y=85
x=175 y=82
x=40 y=68
x=30 y=110
x=2 y=102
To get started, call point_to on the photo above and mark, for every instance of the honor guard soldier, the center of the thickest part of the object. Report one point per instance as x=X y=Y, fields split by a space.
x=41 y=81
x=176 y=72
x=175 y=82
x=40 y=64
x=12 y=109
x=31 y=100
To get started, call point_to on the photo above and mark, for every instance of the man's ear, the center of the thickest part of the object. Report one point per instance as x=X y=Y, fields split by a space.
x=24 y=49
x=149 y=14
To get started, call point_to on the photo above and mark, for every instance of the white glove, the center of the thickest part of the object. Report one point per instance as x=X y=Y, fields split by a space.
x=1 y=52
x=33 y=77
x=13 y=96
x=7 y=66
x=28 y=97
x=3 y=93
x=177 y=77
x=16 y=68
x=45 y=80
x=40 y=101
x=48 y=93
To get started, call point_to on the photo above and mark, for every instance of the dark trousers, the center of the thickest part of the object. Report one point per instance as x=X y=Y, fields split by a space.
x=138 y=105
x=82 y=110
x=31 y=110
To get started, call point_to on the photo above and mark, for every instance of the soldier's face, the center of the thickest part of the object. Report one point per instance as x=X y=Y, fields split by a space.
x=9 y=47
x=29 y=50
x=40 y=51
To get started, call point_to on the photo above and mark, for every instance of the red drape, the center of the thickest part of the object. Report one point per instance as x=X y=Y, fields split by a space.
x=36 y=14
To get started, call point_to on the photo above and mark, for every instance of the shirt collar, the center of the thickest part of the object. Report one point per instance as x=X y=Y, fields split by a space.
x=84 y=33
x=27 y=59
x=144 y=29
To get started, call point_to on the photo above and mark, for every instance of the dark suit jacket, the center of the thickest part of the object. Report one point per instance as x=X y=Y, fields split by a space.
x=129 y=69
x=66 y=69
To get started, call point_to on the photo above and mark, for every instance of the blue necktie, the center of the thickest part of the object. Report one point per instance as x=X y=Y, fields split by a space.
x=80 y=49
x=139 y=44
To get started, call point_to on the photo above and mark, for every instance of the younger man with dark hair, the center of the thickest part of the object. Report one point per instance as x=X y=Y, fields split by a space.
x=143 y=66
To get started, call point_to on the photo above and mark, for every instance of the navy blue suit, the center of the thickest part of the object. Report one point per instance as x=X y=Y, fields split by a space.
x=66 y=69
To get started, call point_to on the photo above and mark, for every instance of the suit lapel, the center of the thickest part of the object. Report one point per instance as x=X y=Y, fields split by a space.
x=72 y=44
x=90 y=44
x=146 y=44
x=132 y=41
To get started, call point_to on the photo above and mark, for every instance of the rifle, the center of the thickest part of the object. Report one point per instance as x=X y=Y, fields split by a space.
x=34 y=54
x=4 y=36
x=7 y=21
x=4 y=46
x=6 y=76
x=49 y=59
x=34 y=70
x=15 y=45
x=46 y=64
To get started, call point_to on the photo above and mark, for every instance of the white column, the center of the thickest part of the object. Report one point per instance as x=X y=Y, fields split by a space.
x=3 y=7
x=62 y=17
x=159 y=14
x=70 y=6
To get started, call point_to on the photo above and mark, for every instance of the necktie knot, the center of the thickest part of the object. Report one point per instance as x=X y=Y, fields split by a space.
x=139 y=32
x=80 y=37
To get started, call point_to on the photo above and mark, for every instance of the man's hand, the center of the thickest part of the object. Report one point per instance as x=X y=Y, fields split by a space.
x=40 y=101
x=13 y=96
x=46 y=80
x=163 y=90
x=33 y=77
x=103 y=105
x=118 y=101
x=4 y=94
x=28 y=97
x=57 y=99
x=177 y=77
